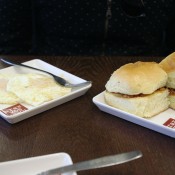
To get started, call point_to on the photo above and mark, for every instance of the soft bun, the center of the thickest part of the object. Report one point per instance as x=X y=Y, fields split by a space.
x=138 y=88
x=143 y=106
x=168 y=64
x=137 y=78
x=172 y=100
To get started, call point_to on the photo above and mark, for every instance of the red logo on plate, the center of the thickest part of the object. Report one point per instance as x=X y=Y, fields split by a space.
x=170 y=123
x=14 y=109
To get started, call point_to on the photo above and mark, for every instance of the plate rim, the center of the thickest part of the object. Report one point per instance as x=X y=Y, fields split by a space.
x=38 y=158
x=171 y=131
x=77 y=92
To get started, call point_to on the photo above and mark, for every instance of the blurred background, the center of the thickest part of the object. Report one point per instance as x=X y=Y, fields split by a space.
x=87 y=28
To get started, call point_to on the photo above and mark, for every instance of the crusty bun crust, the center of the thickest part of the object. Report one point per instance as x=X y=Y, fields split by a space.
x=137 y=78
x=168 y=64
x=143 y=105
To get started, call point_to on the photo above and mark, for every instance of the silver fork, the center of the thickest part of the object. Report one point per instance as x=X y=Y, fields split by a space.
x=58 y=79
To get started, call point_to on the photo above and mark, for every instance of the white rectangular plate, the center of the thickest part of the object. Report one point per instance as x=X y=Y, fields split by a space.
x=163 y=123
x=34 y=165
x=19 y=112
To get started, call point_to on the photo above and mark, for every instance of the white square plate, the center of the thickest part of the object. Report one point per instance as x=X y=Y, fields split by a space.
x=34 y=165
x=19 y=112
x=163 y=122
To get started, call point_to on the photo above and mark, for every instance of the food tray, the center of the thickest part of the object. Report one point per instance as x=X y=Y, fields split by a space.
x=34 y=165
x=18 y=112
x=163 y=123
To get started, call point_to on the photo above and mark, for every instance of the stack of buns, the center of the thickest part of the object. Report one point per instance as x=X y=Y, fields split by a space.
x=138 y=88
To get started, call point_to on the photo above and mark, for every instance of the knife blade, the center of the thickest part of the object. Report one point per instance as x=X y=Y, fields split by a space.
x=95 y=163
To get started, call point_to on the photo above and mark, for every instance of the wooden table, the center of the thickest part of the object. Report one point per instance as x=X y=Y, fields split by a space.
x=80 y=129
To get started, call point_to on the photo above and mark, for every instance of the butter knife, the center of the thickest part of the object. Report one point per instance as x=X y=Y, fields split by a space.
x=95 y=163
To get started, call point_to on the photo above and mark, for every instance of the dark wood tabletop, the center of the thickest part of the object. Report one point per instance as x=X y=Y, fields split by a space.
x=80 y=129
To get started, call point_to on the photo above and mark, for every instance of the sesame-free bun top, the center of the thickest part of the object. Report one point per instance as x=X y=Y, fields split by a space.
x=137 y=78
x=168 y=64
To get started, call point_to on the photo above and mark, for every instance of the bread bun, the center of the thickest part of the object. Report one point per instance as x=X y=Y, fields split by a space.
x=140 y=105
x=172 y=98
x=137 y=78
x=168 y=64
x=138 y=88
x=172 y=101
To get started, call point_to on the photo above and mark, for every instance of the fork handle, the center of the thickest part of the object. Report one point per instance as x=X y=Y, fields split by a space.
x=23 y=65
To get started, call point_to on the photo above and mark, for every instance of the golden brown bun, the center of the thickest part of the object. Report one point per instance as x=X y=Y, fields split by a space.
x=137 y=78
x=143 y=106
x=168 y=64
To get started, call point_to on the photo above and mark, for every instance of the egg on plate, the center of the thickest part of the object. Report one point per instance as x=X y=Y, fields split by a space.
x=33 y=89
x=5 y=96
